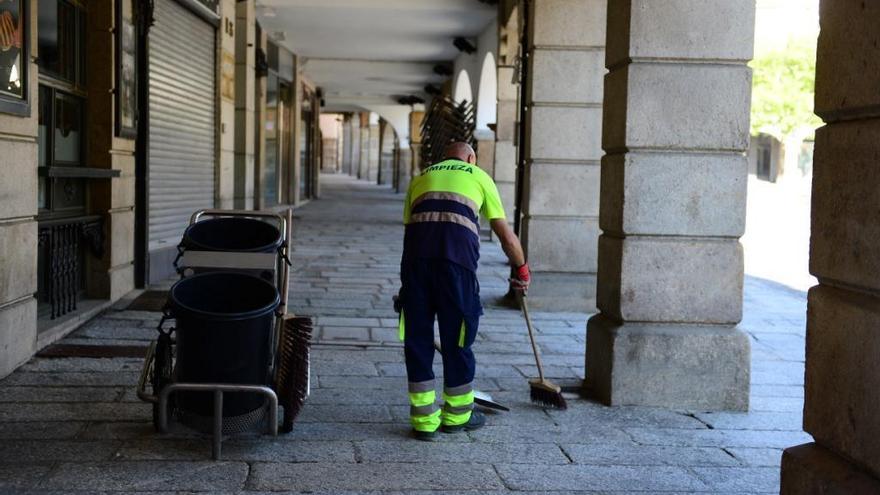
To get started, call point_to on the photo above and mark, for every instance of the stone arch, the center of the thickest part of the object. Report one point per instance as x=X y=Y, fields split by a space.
x=487 y=93
x=462 y=89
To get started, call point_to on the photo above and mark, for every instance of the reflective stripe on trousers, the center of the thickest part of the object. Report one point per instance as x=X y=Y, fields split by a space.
x=423 y=411
x=458 y=402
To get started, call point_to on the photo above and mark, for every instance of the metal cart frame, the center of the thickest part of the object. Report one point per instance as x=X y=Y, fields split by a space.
x=161 y=398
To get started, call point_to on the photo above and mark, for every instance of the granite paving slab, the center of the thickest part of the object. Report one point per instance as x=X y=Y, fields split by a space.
x=205 y=476
x=382 y=476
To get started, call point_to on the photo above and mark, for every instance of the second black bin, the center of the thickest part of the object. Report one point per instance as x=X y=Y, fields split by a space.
x=224 y=325
x=243 y=235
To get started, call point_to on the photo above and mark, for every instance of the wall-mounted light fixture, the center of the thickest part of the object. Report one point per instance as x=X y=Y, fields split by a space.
x=464 y=45
x=410 y=100
x=432 y=90
x=443 y=69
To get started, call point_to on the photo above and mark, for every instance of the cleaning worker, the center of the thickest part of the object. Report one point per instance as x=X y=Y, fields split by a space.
x=441 y=248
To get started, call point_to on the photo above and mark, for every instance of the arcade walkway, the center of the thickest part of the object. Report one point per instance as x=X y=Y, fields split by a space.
x=74 y=424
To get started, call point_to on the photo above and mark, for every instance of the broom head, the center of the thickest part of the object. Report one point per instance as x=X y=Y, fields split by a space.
x=546 y=393
x=292 y=376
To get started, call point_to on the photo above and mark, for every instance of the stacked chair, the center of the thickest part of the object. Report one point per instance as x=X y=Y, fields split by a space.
x=446 y=122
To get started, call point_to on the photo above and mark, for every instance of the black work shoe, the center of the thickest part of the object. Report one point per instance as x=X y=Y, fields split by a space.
x=425 y=436
x=477 y=421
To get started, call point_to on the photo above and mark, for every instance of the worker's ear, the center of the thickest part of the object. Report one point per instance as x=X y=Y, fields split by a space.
x=472 y=159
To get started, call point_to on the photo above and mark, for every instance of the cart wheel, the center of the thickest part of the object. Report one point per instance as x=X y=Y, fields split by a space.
x=162 y=368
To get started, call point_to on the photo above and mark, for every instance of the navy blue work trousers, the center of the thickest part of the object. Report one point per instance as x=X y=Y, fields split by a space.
x=441 y=289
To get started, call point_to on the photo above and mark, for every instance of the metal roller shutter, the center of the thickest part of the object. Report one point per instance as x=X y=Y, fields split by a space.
x=182 y=123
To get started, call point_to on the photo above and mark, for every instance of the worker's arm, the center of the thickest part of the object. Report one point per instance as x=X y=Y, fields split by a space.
x=509 y=242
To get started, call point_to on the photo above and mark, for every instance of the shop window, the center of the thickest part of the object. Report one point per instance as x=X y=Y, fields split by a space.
x=60 y=40
x=14 y=57
x=60 y=139
x=65 y=231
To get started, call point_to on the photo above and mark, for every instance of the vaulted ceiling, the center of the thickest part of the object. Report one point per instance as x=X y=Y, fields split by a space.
x=370 y=52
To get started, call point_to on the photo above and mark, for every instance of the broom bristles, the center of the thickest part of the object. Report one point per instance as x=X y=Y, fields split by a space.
x=547 y=394
x=293 y=379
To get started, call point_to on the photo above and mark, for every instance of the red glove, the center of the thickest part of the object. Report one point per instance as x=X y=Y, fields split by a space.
x=522 y=277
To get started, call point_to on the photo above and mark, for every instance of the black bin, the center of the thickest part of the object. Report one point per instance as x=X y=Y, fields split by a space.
x=224 y=327
x=244 y=235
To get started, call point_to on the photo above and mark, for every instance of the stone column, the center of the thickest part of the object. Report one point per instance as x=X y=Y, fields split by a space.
x=364 y=162
x=226 y=65
x=355 y=144
x=560 y=192
x=504 y=171
x=404 y=168
x=375 y=153
x=385 y=168
x=675 y=132
x=415 y=142
x=260 y=129
x=486 y=160
x=486 y=151
x=346 y=144
x=842 y=380
x=112 y=275
x=18 y=227
x=505 y=153
x=245 y=99
x=294 y=190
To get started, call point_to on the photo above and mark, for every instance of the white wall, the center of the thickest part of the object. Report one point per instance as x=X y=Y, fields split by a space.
x=397 y=116
x=331 y=125
x=487 y=94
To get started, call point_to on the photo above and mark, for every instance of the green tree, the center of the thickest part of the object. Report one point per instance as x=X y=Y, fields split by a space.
x=782 y=90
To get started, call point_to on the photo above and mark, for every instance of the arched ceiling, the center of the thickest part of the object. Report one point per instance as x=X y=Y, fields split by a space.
x=368 y=52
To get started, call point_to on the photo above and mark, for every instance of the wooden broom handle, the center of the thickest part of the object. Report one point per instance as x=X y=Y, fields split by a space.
x=525 y=309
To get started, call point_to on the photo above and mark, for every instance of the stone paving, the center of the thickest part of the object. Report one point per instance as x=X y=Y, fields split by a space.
x=75 y=424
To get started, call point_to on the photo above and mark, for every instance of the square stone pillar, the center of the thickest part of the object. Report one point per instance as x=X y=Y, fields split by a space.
x=364 y=159
x=415 y=142
x=375 y=154
x=245 y=103
x=112 y=275
x=224 y=194
x=354 y=144
x=505 y=152
x=385 y=168
x=18 y=227
x=560 y=191
x=486 y=151
x=675 y=132
x=842 y=380
x=345 y=144
x=404 y=168
x=260 y=86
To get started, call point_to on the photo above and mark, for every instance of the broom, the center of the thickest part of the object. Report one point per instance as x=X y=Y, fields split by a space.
x=294 y=340
x=292 y=375
x=542 y=391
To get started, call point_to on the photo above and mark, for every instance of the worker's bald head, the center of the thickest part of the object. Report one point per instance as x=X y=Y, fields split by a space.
x=461 y=151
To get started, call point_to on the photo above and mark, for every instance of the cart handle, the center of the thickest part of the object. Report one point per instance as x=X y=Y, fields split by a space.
x=282 y=222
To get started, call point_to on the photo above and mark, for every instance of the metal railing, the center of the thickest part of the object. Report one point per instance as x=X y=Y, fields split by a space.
x=63 y=241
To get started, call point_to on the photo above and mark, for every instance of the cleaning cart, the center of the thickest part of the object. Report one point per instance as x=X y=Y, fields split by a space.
x=232 y=355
